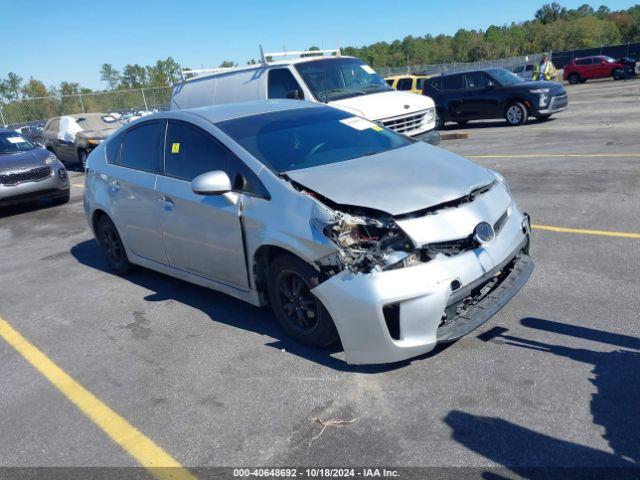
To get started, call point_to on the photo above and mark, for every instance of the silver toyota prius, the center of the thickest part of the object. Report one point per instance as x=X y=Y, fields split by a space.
x=348 y=230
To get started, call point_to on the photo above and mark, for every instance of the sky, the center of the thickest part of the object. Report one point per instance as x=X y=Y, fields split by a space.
x=55 y=41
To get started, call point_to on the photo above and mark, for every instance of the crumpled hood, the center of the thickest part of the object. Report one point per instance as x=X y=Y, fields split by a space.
x=23 y=160
x=398 y=181
x=381 y=105
x=97 y=134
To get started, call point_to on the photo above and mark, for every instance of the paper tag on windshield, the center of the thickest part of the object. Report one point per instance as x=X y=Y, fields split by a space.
x=368 y=69
x=358 y=123
x=16 y=140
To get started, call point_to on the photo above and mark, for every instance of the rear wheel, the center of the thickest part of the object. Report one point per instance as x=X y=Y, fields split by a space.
x=297 y=310
x=516 y=114
x=574 y=79
x=112 y=246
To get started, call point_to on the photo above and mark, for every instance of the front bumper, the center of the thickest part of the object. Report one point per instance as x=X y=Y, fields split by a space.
x=432 y=137
x=558 y=103
x=386 y=317
x=52 y=186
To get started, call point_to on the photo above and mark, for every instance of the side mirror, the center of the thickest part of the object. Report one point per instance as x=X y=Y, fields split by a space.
x=211 y=183
x=295 y=94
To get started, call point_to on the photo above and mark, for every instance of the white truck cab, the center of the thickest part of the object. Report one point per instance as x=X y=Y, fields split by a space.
x=322 y=76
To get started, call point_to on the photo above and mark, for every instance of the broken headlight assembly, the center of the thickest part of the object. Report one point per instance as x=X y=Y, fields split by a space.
x=365 y=243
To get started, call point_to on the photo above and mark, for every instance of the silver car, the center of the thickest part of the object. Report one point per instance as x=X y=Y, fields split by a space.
x=348 y=230
x=28 y=172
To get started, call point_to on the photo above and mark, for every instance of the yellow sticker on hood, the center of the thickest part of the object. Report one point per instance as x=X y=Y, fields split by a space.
x=175 y=148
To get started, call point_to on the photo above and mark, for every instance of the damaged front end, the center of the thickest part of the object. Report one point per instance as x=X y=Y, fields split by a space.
x=366 y=241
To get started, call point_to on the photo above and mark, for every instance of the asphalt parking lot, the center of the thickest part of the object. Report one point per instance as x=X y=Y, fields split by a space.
x=552 y=380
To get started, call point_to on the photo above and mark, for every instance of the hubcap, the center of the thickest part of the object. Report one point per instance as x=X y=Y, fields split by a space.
x=111 y=245
x=514 y=114
x=298 y=303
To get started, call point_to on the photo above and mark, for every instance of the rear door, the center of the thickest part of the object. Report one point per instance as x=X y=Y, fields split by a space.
x=132 y=177
x=202 y=233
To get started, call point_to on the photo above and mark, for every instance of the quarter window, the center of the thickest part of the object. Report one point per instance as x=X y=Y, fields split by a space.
x=190 y=151
x=281 y=82
x=141 y=147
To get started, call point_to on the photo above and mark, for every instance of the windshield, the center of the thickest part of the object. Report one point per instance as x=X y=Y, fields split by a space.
x=337 y=78
x=308 y=137
x=608 y=59
x=505 y=77
x=13 y=142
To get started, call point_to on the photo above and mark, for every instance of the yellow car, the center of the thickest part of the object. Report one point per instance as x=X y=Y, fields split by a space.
x=407 y=83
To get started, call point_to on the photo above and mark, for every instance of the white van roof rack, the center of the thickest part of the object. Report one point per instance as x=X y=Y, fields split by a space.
x=188 y=73
x=296 y=53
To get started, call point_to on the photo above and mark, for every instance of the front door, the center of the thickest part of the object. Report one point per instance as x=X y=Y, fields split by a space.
x=481 y=100
x=202 y=233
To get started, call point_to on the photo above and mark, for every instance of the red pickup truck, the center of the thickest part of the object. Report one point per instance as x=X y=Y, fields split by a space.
x=579 y=70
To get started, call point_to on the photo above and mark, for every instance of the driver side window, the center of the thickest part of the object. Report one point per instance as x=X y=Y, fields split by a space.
x=190 y=151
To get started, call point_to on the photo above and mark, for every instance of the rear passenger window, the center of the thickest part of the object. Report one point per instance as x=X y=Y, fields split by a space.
x=141 y=147
x=454 y=82
x=281 y=82
x=190 y=151
x=405 y=84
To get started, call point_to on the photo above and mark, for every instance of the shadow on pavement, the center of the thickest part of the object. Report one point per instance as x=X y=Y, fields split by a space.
x=615 y=407
x=223 y=308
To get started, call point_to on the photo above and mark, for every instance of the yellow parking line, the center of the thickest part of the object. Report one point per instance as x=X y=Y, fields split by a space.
x=158 y=462
x=604 y=233
x=542 y=155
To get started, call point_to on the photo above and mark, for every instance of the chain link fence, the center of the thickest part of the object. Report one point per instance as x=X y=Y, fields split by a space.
x=435 y=69
x=36 y=110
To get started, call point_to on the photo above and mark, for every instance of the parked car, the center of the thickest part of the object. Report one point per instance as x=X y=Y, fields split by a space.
x=28 y=172
x=342 y=82
x=525 y=71
x=73 y=137
x=347 y=229
x=493 y=93
x=579 y=70
x=33 y=133
x=407 y=83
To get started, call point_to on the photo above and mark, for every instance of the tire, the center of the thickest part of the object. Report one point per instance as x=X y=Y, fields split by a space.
x=82 y=158
x=440 y=120
x=296 y=309
x=516 y=114
x=112 y=247
x=574 y=79
x=62 y=199
x=617 y=74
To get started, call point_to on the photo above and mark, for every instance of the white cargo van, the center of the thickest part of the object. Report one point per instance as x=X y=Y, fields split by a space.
x=322 y=76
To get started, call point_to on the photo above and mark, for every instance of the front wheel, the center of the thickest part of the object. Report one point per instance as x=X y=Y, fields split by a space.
x=82 y=157
x=617 y=74
x=574 y=79
x=297 y=310
x=439 y=120
x=516 y=114
x=112 y=246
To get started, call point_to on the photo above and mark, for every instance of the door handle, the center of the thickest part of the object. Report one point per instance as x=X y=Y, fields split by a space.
x=166 y=202
x=115 y=185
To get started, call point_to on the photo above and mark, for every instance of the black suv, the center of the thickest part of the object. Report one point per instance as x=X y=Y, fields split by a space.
x=493 y=93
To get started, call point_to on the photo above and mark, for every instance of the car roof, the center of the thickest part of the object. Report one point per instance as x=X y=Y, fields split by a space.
x=488 y=70
x=229 y=111
x=407 y=75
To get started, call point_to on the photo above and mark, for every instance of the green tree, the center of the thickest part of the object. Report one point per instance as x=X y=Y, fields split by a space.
x=550 y=13
x=110 y=75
